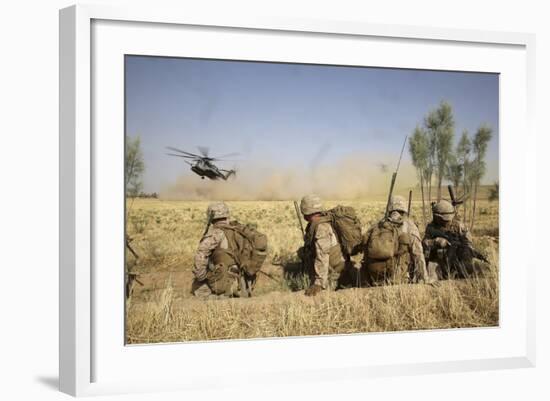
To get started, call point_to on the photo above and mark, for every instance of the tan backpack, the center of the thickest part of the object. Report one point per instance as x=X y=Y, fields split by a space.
x=383 y=242
x=347 y=226
x=248 y=246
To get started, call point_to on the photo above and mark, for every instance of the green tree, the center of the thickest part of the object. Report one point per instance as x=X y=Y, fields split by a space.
x=439 y=124
x=453 y=171
x=133 y=167
x=463 y=151
x=494 y=192
x=478 y=167
x=419 y=149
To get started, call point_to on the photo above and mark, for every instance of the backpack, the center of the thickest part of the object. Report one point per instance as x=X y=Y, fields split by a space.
x=249 y=246
x=383 y=241
x=347 y=226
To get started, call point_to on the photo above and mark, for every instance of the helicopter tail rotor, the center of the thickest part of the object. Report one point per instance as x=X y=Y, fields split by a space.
x=231 y=173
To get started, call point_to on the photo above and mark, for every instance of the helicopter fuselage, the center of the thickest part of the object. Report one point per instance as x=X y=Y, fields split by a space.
x=202 y=165
x=205 y=169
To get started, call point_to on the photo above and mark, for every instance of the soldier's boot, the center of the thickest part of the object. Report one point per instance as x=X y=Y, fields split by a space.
x=201 y=290
x=244 y=291
x=432 y=273
x=313 y=290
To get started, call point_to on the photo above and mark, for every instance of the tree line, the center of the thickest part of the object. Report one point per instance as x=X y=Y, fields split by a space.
x=436 y=158
x=134 y=166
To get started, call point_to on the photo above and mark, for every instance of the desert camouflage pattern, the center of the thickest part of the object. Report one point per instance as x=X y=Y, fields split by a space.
x=324 y=256
x=311 y=204
x=419 y=271
x=214 y=277
x=217 y=210
x=409 y=265
x=444 y=210
x=398 y=203
x=441 y=257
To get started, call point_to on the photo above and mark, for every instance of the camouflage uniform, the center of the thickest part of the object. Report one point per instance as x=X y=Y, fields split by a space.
x=445 y=259
x=215 y=270
x=409 y=265
x=322 y=254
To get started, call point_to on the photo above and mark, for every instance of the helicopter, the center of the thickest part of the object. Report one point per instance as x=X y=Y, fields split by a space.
x=203 y=165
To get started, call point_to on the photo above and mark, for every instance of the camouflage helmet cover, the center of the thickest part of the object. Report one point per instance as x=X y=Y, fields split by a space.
x=217 y=210
x=444 y=210
x=311 y=204
x=398 y=203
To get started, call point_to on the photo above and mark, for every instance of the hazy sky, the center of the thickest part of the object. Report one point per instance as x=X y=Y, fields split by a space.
x=292 y=115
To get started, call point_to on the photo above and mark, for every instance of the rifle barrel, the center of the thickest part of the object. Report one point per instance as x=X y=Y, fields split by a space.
x=297 y=209
x=393 y=177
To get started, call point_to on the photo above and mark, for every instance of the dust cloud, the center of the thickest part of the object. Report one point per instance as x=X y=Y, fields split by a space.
x=355 y=177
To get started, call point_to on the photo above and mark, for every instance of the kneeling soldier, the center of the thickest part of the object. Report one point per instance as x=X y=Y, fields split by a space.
x=322 y=254
x=215 y=272
x=448 y=244
x=393 y=251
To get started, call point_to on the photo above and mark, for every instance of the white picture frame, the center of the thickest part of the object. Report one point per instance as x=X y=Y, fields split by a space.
x=85 y=356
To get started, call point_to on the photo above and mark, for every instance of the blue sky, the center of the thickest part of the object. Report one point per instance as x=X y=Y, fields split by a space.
x=292 y=115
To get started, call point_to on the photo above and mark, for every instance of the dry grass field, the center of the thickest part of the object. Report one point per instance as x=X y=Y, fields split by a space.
x=161 y=309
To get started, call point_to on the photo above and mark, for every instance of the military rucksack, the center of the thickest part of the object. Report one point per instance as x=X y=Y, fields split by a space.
x=347 y=226
x=383 y=241
x=247 y=245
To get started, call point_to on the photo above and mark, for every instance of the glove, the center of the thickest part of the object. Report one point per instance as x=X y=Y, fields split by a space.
x=313 y=290
x=442 y=242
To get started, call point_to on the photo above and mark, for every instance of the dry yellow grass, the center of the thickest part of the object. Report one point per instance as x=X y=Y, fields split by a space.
x=165 y=235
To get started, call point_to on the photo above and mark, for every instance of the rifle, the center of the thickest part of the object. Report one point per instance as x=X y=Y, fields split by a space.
x=208 y=223
x=454 y=201
x=270 y=276
x=409 y=206
x=297 y=209
x=456 y=243
x=128 y=240
x=393 y=177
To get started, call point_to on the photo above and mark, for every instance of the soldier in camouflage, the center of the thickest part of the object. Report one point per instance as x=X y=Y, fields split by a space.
x=448 y=244
x=322 y=254
x=409 y=265
x=215 y=271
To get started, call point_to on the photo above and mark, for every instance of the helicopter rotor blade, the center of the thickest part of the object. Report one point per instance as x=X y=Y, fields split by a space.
x=183 y=151
x=204 y=150
x=184 y=156
x=227 y=155
x=223 y=160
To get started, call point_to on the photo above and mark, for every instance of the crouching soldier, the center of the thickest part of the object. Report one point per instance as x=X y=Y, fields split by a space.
x=448 y=244
x=321 y=255
x=393 y=251
x=228 y=256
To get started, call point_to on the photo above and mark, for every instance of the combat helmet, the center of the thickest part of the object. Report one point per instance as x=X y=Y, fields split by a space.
x=397 y=203
x=217 y=210
x=444 y=210
x=311 y=204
